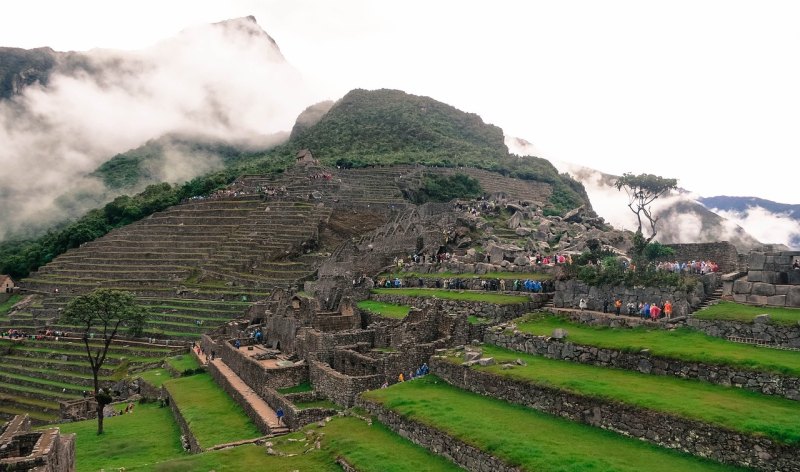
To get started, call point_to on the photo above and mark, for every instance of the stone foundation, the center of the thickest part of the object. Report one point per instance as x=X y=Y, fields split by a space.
x=42 y=451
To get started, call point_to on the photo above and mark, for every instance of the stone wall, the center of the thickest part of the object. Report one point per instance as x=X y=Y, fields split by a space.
x=662 y=429
x=569 y=293
x=438 y=442
x=43 y=451
x=340 y=388
x=295 y=418
x=763 y=382
x=186 y=433
x=479 y=309
x=760 y=329
x=239 y=398
x=770 y=280
x=257 y=376
x=723 y=253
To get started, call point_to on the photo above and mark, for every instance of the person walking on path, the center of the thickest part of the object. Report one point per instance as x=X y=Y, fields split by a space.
x=617 y=306
x=279 y=413
x=582 y=304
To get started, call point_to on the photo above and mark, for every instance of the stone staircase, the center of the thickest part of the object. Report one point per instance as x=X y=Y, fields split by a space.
x=712 y=299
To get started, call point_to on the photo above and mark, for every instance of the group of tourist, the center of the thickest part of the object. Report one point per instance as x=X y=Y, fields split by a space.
x=414 y=374
x=646 y=311
x=689 y=267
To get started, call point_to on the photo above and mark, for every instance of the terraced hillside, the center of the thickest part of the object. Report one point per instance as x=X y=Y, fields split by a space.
x=36 y=374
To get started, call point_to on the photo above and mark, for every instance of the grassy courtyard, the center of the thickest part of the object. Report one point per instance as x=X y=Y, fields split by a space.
x=388 y=310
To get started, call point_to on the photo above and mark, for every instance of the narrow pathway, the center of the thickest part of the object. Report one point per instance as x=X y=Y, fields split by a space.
x=250 y=396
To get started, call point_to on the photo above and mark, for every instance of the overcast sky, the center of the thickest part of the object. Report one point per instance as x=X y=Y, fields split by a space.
x=704 y=91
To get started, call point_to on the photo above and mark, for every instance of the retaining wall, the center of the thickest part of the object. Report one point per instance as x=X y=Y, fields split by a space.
x=693 y=437
x=239 y=398
x=763 y=382
x=760 y=329
x=438 y=442
x=480 y=309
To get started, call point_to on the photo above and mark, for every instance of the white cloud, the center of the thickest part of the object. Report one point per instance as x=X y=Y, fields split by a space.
x=225 y=83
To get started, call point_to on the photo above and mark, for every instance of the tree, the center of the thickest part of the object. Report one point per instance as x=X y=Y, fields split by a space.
x=643 y=190
x=104 y=311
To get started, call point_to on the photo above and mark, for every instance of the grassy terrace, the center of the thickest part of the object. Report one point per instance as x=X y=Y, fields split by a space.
x=736 y=409
x=469 y=275
x=5 y=307
x=527 y=438
x=212 y=415
x=134 y=441
x=183 y=362
x=725 y=310
x=466 y=296
x=682 y=343
x=111 y=355
x=388 y=310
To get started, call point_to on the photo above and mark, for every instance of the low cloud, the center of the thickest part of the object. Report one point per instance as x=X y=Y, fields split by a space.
x=774 y=228
x=226 y=82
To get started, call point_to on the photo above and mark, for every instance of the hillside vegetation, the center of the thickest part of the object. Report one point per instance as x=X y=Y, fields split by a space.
x=382 y=127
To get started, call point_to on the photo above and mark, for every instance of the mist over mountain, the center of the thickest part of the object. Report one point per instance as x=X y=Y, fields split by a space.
x=685 y=217
x=765 y=219
x=62 y=115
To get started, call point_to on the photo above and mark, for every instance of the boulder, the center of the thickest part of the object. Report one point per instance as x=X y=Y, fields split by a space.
x=576 y=215
x=522 y=261
x=559 y=333
x=762 y=319
x=522 y=231
x=486 y=361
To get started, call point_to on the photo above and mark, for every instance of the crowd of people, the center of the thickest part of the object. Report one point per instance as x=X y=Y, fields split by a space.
x=646 y=311
x=689 y=267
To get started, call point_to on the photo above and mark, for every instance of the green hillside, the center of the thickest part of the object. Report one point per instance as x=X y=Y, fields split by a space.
x=381 y=127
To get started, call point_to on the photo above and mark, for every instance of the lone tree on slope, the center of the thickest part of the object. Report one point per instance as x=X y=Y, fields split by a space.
x=104 y=311
x=643 y=190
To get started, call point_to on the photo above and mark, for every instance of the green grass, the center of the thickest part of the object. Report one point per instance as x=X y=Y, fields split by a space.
x=726 y=310
x=527 y=438
x=682 y=343
x=183 y=362
x=494 y=298
x=477 y=320
x=5 y=307
x=213 y=417
x=467 y=275
x=317 y=404
x=302 y=388
x=134 y=441
x=368 y=448
x=155 y=377
x=733 y=408
x=388 y=310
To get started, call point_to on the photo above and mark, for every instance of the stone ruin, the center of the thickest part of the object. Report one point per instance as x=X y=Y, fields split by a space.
x=41 y=451
x=770 y=280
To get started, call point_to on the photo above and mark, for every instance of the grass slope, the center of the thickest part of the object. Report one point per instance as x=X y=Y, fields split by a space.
x=133 y=441
x=726 y=310
x=526 y=438
x=682 y=343
x=213 y=417
x=736 y=409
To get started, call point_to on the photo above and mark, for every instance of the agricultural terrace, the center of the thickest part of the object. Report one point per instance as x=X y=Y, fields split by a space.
x=682 y=343
x=526 y=438
x=464 y=296
x=735 y=409
x=725 y=310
